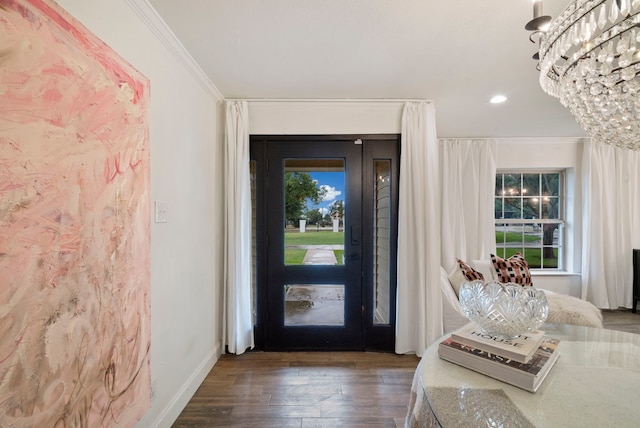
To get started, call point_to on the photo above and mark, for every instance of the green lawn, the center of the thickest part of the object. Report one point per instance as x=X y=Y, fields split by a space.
x=324 y=237
x=532 y=255
x=294 y=257
x=515 y=237
x=310 y=237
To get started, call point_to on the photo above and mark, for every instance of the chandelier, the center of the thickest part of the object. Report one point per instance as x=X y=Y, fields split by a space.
x=589 y=58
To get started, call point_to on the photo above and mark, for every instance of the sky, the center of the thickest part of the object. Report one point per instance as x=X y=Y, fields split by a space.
x=334 y=183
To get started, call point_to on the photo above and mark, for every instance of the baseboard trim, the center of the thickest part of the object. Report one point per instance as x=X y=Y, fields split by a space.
x=185 y=393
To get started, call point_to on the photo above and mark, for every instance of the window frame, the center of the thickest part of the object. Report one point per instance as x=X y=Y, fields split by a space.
x=559 y=245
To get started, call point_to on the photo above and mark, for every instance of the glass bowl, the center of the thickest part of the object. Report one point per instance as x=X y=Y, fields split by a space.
x=503 y=310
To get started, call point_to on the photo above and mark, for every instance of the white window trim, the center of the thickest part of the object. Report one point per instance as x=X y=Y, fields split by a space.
x=561 y=220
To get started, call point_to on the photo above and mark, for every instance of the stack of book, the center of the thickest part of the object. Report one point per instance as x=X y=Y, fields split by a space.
x=523 y=362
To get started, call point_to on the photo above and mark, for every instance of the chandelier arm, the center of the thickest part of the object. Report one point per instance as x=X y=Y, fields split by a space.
x=536 y=33
x=622 y=80
x=569 y=26
x=598 y=46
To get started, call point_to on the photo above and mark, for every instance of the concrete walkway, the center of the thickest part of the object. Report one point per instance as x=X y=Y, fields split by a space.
x=314 y=247
x=318 y=304
x=320 y=257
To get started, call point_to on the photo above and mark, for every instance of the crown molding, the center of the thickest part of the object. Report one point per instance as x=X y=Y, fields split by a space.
x=161 y=30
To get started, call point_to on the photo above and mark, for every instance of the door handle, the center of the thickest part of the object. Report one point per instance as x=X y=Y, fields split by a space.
x=355 y=235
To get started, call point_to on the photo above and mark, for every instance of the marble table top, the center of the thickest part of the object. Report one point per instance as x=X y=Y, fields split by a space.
x=595 y=382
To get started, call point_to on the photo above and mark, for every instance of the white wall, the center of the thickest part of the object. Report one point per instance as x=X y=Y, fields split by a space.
x=324 y=117
x=186 y=173
x=370 y=117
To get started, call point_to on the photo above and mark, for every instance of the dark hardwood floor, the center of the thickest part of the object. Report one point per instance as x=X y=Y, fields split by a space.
x=622 y=319
x=303 y=389
x=317 y=389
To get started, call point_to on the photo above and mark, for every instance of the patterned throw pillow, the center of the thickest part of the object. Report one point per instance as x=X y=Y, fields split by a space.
x=462 y=273
x=469 y=273
x=515 y=269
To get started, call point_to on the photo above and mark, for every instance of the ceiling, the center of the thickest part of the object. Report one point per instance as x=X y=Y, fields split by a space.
x=456 y=53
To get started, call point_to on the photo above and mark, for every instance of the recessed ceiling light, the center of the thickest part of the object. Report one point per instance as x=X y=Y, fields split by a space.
x=498 y=99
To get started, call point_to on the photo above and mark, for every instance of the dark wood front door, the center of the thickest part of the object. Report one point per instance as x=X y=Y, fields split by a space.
x=326 y=267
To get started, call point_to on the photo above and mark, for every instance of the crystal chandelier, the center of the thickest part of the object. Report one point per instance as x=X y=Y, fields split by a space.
x=589 y=58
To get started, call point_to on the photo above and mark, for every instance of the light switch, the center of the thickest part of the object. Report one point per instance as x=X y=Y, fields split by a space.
x=162 y=211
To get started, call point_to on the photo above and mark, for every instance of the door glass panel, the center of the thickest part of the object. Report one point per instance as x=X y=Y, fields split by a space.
x=307 y=305
x=314 y=194
x=381 y=241
x=254 y=264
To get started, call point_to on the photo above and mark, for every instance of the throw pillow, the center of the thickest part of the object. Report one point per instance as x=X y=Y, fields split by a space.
x=515 y=269
x=462 y=273
x=470 y=273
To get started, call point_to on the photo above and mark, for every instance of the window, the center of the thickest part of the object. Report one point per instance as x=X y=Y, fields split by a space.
x=529 y=216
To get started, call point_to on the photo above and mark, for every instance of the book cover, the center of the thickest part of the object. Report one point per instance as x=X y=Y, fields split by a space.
x=527 y=376
x=520 y=349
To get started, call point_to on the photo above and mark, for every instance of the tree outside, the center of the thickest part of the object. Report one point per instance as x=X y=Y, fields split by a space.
x=299 y=187
x=314 y=217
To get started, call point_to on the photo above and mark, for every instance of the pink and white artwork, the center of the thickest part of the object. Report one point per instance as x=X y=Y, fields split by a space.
x=74 y=225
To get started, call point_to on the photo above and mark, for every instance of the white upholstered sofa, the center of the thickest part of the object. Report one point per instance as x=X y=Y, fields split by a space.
x=563 y=309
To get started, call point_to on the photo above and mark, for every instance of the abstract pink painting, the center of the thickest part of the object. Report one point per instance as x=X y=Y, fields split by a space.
x=74 y=225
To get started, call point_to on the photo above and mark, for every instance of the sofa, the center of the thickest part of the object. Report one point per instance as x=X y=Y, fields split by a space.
x=563 y=309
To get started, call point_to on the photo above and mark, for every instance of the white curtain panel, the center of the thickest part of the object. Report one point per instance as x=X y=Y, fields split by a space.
x=419 y=308
x=468 y=172
x=237 y=318
x=611 y=224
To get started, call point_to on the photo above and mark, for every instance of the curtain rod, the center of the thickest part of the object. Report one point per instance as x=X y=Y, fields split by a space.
x=331 y=100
